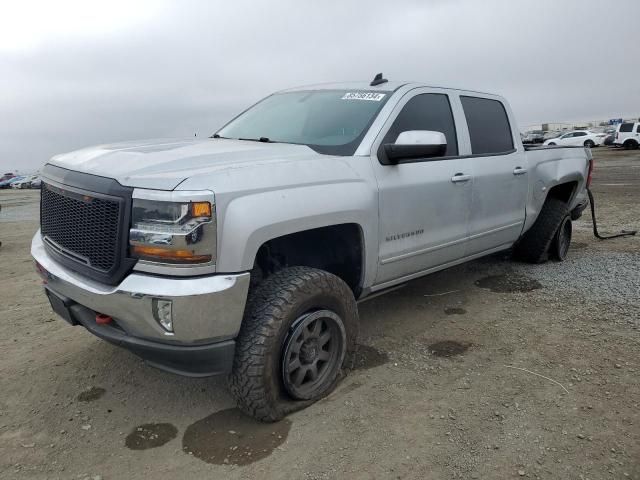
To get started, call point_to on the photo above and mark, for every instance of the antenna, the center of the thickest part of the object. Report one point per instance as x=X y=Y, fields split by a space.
x=378 y=80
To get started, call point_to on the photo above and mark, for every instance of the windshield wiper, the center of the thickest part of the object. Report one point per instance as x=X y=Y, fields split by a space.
x=261 y=139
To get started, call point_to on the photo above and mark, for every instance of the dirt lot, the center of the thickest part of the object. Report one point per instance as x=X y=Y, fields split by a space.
x=443 y=387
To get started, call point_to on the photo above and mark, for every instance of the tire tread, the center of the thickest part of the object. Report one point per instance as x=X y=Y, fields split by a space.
x=533 y=247
x=266 y=315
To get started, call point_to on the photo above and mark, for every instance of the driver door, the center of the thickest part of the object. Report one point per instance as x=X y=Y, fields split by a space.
x=424 y=203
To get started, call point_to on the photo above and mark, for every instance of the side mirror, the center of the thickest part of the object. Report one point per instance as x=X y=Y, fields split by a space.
x=416 y=144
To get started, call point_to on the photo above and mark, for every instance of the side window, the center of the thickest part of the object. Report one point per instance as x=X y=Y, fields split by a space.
x=626 y=127
x=488 y=124
x=579 y=134
x=427 y=111
x=638 y=128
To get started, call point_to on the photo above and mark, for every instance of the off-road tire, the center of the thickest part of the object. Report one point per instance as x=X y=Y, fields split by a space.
x=256 y=379
x=561 y=242
x=533 y=247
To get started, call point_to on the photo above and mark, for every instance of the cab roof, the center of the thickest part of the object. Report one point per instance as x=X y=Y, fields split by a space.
x=389 y=86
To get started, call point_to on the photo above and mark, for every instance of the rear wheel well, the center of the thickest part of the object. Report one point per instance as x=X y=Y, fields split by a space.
x=563 y=192
x=337 y=249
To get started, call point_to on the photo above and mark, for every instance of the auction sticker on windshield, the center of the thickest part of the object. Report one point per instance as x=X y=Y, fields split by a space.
x=371 y=96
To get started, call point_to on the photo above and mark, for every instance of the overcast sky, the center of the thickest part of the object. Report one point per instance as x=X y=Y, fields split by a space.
x=76 y=73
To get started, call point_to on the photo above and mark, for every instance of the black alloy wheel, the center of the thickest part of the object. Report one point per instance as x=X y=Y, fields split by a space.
x=313 y=352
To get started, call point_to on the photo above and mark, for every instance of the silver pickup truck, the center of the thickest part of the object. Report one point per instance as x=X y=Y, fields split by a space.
x=246 y=253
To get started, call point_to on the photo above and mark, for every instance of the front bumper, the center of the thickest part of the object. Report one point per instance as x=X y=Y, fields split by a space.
x=207 y=310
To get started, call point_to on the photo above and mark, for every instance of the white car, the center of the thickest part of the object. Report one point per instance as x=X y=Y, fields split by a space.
x=578 y=138
x=25 y=182
x=628 y=135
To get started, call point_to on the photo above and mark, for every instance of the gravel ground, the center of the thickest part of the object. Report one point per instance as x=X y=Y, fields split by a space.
x=493 y=369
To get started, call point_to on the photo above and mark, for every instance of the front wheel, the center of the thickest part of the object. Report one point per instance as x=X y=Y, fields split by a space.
x=298 y=333
x=552 y=143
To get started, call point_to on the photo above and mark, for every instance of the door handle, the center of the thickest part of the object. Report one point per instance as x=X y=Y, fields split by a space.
x=460 y=177
x=519 y=171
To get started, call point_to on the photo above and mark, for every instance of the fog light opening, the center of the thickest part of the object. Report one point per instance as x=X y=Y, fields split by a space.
x=163 y=313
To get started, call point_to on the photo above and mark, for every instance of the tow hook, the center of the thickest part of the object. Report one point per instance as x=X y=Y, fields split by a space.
x=102 y=319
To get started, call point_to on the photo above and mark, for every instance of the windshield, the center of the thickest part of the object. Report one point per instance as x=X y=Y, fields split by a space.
x=329 y=121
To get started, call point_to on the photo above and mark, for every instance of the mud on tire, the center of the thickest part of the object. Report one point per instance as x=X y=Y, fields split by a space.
x=533 y=247
x=273 y=306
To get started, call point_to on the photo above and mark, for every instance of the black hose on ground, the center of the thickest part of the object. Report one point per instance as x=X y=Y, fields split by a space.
x=623 y=233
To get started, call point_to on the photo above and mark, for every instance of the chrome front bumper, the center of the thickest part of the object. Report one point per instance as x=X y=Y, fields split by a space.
x=205 y=309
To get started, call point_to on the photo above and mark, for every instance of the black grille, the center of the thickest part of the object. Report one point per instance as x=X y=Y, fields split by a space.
x=81 y=227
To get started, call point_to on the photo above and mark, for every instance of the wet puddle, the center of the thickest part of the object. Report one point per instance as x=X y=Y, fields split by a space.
x=150 y=435
x=510 y=283
x=91 y=394
x=229 y=437
x=454 y=311
x=448 y=348
x=368 y=357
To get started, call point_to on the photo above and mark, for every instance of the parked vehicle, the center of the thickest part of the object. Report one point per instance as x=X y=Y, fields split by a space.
x=36 y=183
x=25 y=182
x=7 y=183
x=6 y=176
x=610 y=136
x=536 y=136
x=628 y=135
x=245 y=253
x=552 y=134
x=577 y=138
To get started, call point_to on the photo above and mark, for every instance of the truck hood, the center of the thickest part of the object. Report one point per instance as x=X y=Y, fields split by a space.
x=164 y=164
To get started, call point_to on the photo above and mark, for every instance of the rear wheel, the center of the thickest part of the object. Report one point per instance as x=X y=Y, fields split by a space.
x=562 y=240
x=534 y=245
x=630 y=144
x=298 y=334
x=551 y=143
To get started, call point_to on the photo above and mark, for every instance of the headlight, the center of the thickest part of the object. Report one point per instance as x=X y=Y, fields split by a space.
x=181 y=232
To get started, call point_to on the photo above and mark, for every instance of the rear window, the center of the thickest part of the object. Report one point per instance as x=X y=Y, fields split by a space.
x=488 y=124
x=626 y=127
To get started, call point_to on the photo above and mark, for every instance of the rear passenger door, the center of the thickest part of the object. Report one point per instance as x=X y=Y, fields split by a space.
x=578 y=139
x=499 y=170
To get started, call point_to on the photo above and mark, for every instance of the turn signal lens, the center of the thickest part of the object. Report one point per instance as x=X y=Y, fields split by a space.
x=168 y=255
x=201 y=209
